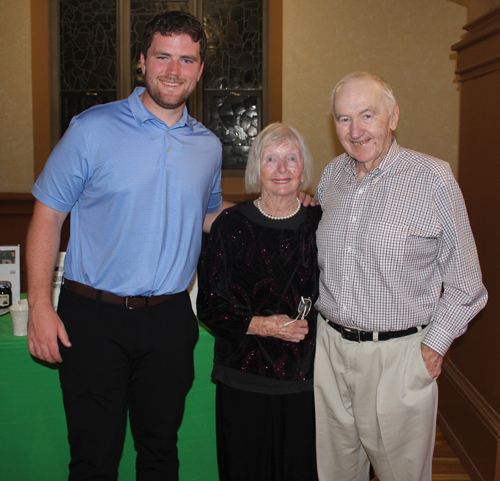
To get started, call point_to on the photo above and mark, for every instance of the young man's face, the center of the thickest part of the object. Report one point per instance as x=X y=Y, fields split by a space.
x=172 y=69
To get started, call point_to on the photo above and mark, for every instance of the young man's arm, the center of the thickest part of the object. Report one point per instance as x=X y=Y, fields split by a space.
x=209 y=218
x=42 y=247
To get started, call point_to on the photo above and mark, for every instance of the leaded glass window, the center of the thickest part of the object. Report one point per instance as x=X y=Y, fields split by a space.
x=87 y=55
x=232 y=78
x=233 y=75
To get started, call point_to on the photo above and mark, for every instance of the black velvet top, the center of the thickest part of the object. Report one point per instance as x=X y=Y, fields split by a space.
x=255 y=266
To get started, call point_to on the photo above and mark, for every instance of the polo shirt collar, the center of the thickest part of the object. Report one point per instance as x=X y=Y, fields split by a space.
x=186 y=119
x=142 y=114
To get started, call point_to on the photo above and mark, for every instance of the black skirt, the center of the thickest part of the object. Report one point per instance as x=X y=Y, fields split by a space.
x=265 y=437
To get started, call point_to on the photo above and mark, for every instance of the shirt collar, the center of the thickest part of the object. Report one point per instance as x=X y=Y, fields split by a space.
x=385 y=164
x=390 y=157
x=142 y=114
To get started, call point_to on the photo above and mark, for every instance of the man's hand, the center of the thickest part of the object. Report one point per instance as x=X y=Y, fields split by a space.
x=432 y=360
x=44 y=328
x=306 y=199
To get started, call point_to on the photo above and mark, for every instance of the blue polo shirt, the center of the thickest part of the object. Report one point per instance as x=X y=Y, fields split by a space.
x=138 y=192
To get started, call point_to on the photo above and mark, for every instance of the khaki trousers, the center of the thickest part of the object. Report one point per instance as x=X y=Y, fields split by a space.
x=375 y=402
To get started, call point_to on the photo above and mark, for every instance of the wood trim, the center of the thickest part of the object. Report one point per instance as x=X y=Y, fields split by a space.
x=470 y=424
x=467 y=463
x=488 y=18
x=478 y=36
x=41 y=81
x=234 y=197
x=15 y=204
x=468 y=401
x=123 y=60
x=55 y=80
x=479 y=69
x=488 y=415
x=479 y=49
x=266 y=61
x=195 y=102
x=273 y=100
x=233 y=185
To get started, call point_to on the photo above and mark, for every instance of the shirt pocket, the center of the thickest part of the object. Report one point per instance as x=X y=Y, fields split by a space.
x=384 y=242
x=392 y=247
x=422 y=245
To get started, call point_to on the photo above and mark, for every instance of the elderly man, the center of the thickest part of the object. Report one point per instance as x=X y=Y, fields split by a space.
x=400 y=280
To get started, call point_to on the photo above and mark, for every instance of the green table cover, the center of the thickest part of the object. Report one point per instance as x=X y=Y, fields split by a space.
x=33 y=436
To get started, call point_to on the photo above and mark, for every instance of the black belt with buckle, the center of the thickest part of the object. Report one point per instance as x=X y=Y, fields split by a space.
x=130 y=302
x=357 y=335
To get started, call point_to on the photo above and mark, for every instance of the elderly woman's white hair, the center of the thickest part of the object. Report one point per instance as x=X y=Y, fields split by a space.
x=274 y=134
x=387 y=92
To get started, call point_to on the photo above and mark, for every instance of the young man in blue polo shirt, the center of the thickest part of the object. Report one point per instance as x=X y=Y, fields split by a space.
x=140 y=178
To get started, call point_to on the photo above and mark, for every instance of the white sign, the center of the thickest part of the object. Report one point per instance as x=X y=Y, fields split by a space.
x=10 y=269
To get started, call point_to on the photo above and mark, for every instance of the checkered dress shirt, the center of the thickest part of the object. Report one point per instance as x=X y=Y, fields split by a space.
x=396 y=249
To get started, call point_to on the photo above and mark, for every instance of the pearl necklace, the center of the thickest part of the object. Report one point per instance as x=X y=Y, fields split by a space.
x=274 y=217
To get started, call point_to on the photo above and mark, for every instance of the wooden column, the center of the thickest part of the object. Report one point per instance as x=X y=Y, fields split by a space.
x=469 y=406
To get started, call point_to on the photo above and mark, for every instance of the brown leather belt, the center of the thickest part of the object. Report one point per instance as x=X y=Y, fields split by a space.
x=130 y=302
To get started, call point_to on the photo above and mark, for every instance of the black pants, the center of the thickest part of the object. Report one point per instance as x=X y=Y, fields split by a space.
x=264 y=437
x=135 y=359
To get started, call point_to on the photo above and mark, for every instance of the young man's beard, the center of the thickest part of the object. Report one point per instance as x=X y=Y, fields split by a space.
x=163 y=100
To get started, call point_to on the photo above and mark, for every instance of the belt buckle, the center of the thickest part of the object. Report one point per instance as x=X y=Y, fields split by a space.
x=135 y=297
x=351 y=334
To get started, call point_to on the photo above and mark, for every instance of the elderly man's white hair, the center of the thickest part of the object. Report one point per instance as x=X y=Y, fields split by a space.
x=386 y=88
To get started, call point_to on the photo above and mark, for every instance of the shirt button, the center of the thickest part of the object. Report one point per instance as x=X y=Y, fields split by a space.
x=354 y=219
x=360 y=191
x=346 y=278
x=349 y=249
x=344 y=308
x=375 y=180
x=169 y=149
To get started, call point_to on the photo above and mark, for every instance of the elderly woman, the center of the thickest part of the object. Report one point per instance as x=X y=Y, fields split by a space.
x=260 y=262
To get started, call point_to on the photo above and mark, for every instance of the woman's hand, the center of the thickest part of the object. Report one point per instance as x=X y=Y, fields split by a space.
x=274 y=326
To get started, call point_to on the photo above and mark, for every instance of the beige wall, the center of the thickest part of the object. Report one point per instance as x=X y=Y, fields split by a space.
x=406 y=42
x=16 y=112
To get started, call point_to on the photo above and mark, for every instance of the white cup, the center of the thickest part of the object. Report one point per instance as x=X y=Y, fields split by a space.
x=19 y=313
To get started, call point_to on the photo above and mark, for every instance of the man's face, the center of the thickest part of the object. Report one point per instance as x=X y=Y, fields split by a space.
x=363 y=122
x=172 y=69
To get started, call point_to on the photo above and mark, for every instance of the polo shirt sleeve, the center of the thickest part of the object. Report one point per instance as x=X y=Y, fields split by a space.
x=215 y=201
x=63 y=178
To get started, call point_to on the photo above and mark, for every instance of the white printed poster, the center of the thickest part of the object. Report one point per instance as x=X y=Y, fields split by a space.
x=10 y=269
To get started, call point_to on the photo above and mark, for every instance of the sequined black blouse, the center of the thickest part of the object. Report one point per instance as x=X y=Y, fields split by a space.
x=255 y=266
